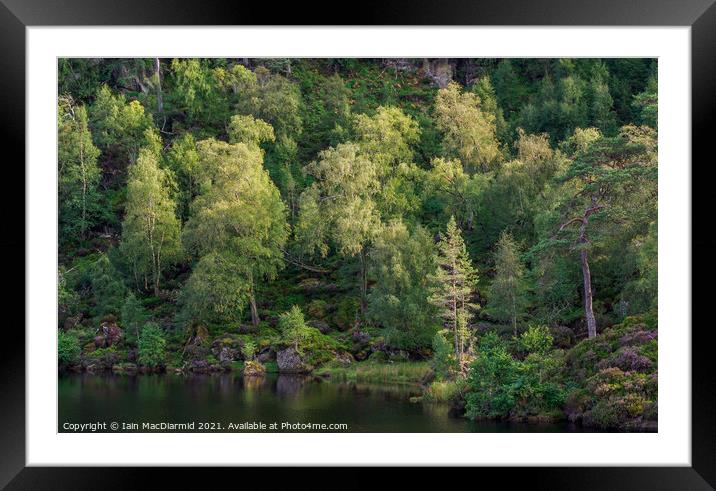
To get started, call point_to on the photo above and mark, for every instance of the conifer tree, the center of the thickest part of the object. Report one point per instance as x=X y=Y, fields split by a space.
x=454 y=287
x=508 y=298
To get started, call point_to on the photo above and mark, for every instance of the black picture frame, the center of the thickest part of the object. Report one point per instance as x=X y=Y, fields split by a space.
x=16 y=15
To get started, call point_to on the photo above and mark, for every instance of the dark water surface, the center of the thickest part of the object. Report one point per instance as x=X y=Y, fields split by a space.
x=212 y=402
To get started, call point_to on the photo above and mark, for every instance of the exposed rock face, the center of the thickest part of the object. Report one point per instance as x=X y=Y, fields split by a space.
x=290 y=362
x=439 y=70
x=108 y=334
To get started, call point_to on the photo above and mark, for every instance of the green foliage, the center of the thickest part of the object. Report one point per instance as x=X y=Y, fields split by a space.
x=249 y=130
x=370 y=372
x=133 y=316
x=469 y=131
x=443 y=391
x=68 y=348
x=215 y=293
x=339 y=205
x=150 y=231
x=536 y=339
x=294 y=330
x=238 y=221
x=444 y=362
x=401 y=264
x=508 y=296
x=184 y=163
x=248 y=350
x=118 y=126
x=500 y=386
x=196 y=91
x=152 y=346
x=228 y=179
x=386 y=138
x=78 y=173
x=454 y=287
x=646 y=104
x=492 y=380
x=108 y=290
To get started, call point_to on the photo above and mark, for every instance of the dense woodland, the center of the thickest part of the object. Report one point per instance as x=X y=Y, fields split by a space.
x=484 y=227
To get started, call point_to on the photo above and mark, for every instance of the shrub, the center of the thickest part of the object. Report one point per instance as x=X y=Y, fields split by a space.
x=68 y=348
x=619 y=399
x=499 y=386
x=248 y=350
x=444 y=362
x=152 y=346
x=536 y=339
x=104 y=358
x=492 y=380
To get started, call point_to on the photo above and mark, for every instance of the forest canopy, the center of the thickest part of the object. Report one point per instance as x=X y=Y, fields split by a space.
x=492 y=222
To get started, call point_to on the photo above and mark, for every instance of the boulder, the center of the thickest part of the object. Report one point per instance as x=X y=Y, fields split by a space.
x=111 y=333
x=228 y=354
x=290 y=362
x=226 y=348
x=199 y=366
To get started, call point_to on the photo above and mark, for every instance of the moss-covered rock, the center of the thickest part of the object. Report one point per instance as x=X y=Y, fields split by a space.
x=253 y=368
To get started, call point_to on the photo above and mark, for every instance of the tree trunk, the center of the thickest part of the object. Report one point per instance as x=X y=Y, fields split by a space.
x=363 y=284
x=158 y=73
x=588 y=312
x=458 y=352
x=156 y=284
x=254 y=310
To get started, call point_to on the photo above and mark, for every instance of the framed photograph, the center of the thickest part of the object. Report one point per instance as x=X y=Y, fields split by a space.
x=429 y=237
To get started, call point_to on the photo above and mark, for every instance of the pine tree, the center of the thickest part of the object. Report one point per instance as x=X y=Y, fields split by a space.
x=454 y=287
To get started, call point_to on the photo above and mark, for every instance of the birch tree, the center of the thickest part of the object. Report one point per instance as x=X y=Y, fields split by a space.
x=238 y=215
x=150 y=231
x=78 y=172
x=339 y=208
